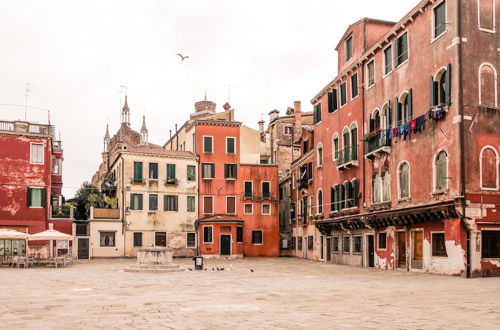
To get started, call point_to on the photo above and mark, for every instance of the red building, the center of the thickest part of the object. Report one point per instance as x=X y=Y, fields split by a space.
x=30 y=183
x=238 y=196
x=412 y=117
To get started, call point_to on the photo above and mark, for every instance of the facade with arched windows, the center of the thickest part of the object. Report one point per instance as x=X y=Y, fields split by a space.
x=427 y=143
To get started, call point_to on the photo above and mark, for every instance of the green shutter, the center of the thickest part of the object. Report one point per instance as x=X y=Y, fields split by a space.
x=138 y=172
x=448 y=85
x=389 y=114
x=330 y=102
x=176 y=199
x=28 y=197
x=226 y=170
x=173 y=171
x=315 y=116
x=410 y=104
x=335 y=101
x=165 y=202
x=212 y=169
x=43 y=197
x=398 y=112
x=356 y=192
x=319 y=112
x=140 y=200
x=235 y=171
x=431 y=92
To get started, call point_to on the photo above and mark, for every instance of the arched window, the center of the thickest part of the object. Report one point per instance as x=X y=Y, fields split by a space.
x=342 y=197
x=488 y=160
x=487 y=85
x=335 y=146
x=354 y=141
x=376 y=188
x=320 y=155
x=386 y=120
x=347 y=143
x=386 y=186
x=486 y=15
x=404 y=108
x=320 y=201
x=404 y=180
x=332 y=199
x=355 y=192
x=441 y=168
x=440 y=88
x=349 y=195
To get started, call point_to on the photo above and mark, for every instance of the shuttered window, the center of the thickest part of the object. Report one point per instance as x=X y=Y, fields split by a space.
x=266 y=189
x=207 y=234
x=239 y=234
x=230 y=145
x=138 y=239
x=332 y=101
x=320 y=201
x=137 y=172
x=387 y=60
x=230 y=171
x=170 y=172
x=348 y=49
x=191 y=203
x=317 y=113
x=354 y=85
x=343 y=94
x=191 y=173
x=231 y=205
x=207 y=144
x=346 y=244
x=256 y=236
x=439 y=19
x=36 y=156
x=248 y=189
x=170 y=203
x=402 y=48
x=208 y=170
x=153 y=171
x=35 y=197
x=370 y=68
x=208 y=207
x=136 y=201
x=190 y=239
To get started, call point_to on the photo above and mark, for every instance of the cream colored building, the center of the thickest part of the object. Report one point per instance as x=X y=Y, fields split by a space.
x=156 y=191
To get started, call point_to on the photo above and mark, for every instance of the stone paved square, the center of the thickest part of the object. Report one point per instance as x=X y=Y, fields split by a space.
x=283 y=293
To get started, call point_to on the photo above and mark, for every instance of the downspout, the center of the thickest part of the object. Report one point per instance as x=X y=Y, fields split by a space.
x=462 y=132
x=124 y=224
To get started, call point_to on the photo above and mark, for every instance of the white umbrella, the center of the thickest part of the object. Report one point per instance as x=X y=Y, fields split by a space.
x=12 y=234
x=49 y=235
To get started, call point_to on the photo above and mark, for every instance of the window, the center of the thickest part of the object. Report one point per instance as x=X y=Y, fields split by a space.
x=266 y=209
x=170 y=203
x=56 y=166
x=248 y=208
x=343 y=94
x=153 y=171
x=288 y=130
x=370 y=68
x=256 y=236
x=107 y=238
x=239 y=234
x=348 y=49
x=207 y=144
x=354 y=142
x=310 y=242
x=311 y=205
x=486 y=15
x=439 y=19
x=332 y=101
x=230 y=171
x=386 y=186
x=320 y=201
x=230 y=145
x=358 y=246
x=266 y=189
x=207 y=234
x=349 y=196
x=335 y=147
x=490 y=247
x=441 y=168
x=488 y=85
x=388 y=60
x=190 y=239
x=335 y=244
x=191 y=203
x=355 y=192
x=137 y=239
x=208 y=205
x=382 y=241
x=136 y=201
x=402 y=49
x=208 y=170
x=161 y=238
x=354 y=86
x=404 y=111
x=137 y=172
x=317 y=113
x=36 y=156
x=440 y=90
x=248 y=189
x=488 y=160
x=299 y=243
x=320 y=155
x=153 y=202
x=191 y=173
x=36 y=197
x=171 y=173
x=438 y=245
x=346 y=244
x=230 y=205
x=404 y=180
x=293 y=213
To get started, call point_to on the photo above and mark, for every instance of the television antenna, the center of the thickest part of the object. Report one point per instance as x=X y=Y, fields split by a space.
x=27 y=91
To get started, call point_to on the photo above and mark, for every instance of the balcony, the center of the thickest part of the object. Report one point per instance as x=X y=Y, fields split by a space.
x=248 y=195
x=347 y=157
x=61 y=212
x=27 y=128
x=103 y=213
x=377 y=143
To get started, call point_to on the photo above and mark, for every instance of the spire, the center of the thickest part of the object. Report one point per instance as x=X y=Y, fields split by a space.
x=106 y=139
x=144 y=131
x=106 y=136
x=125 y=112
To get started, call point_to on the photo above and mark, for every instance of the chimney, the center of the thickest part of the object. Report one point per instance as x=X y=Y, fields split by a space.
x=261 y=127
x=297 y=113
x=273 y=115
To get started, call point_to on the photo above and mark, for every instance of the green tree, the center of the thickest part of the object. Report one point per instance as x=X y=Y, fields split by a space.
x=88 y=195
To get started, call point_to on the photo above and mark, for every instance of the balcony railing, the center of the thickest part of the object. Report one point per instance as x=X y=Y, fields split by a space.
x=248 y=194
x=61 y=212
x=27 y=128
x=348 y=156
x=102 y=213
x=379 y=141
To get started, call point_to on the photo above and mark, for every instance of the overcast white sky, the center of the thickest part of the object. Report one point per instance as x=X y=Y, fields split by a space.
x=76 y=54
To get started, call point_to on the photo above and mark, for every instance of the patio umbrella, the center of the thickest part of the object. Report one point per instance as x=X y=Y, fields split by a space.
x=12 y=234
x=49 y=235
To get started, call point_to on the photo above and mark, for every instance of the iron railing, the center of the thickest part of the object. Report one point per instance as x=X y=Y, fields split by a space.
x=61 y=212
x=348 y=154
x=378 y=140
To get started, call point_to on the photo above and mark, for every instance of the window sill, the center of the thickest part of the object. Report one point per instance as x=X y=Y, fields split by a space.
x=208 y=243
x=36 y=207
x=439 y=192
x=266 y=214
x=438 y=37
x=353 y=98
x=379 y=249
x=404 y=199
x=403 y=63
x=257 y=243
x=489 y=189
x=208 y=178
x=487 y=30
x=387 y=74
x=230 y=179
x=370 y=87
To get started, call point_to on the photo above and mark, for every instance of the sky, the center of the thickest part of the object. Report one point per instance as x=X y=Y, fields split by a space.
x=76 y=55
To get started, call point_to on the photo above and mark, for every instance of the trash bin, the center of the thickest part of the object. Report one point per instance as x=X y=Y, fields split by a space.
x=198 y=263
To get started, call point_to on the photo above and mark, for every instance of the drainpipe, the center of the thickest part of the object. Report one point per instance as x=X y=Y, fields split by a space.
x=462 y=131
x=124 y=220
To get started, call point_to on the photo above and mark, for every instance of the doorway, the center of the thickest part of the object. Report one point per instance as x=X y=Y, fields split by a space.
x=161 y=238
x=328 y=249
x=225 y=245
x=418 y=240
x=83 y=248
x=401 y=238
x=322 y=244
x=304 y=247
x=371 y=250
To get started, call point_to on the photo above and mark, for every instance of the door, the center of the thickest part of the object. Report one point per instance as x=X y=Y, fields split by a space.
x=83 y=248
x=225 y=245
x=304 y=247
x=371 y=251
x=322 y=246
x=401 y=249
x=161 y=239
x=328 y=249
x=417 y=249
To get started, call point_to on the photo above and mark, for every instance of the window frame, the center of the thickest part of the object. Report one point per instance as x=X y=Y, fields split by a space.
x=150 y=170
x=43 y=197
x=149 y=202
x=348 y=48
x=435 y=172
x=212 y=198
x=262 y=209
x=332 y=244
x=268 y=191
x=134 y=238
x=226 y=171
x=484 y=241
x=497 y=165
x=261 y=236
x=211 y=234
x=239 y=234
x=211 y=144
x=397 y=55
x=479 y=18
x=234 y=145
x=175 y=199
x=432 y=244
x=388 y=56
x=188 y=178
x=212 y=171
x=319 y=155
x=344 y=245
x=107 y=232
x=188 y=209
x=368 y=85
x=360 y=237
x=400 y=190
x=343 y=87
x=245 y=189
x=141 y=203
x=244 y=208
x=433 y=21
x=355 y=74
x=227 y=210
x=187 y=239
x=379 y=248
x=38 y=144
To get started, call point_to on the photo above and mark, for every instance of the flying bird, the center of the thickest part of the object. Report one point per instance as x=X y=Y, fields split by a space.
x=183 y=57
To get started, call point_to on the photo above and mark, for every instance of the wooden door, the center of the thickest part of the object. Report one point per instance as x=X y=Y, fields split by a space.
x=402 y=249
x=83 y=248
x=371 y=251
x=225 y=245
x=328 y=249
x=417 y=246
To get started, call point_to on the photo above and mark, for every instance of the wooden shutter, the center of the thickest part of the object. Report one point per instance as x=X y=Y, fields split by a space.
x=28 y=197
x=319 y=112
x=330 y=102
x=356 y=192
x=44 y=197
x=226 y=171
x=140 y=201
x=212 y=168
x=137 y=171
x=176 y=200
x=371 y=123
x=354 y=141
x=310 y=170
x=432 y=98
x=398 y=112
x=389 y=114
x=335 y=101
x=448 y=85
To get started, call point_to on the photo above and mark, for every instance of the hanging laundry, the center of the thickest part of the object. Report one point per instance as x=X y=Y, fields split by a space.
x=413 y=125
x=406 y=131
x=394 y=132
x=401 y=130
